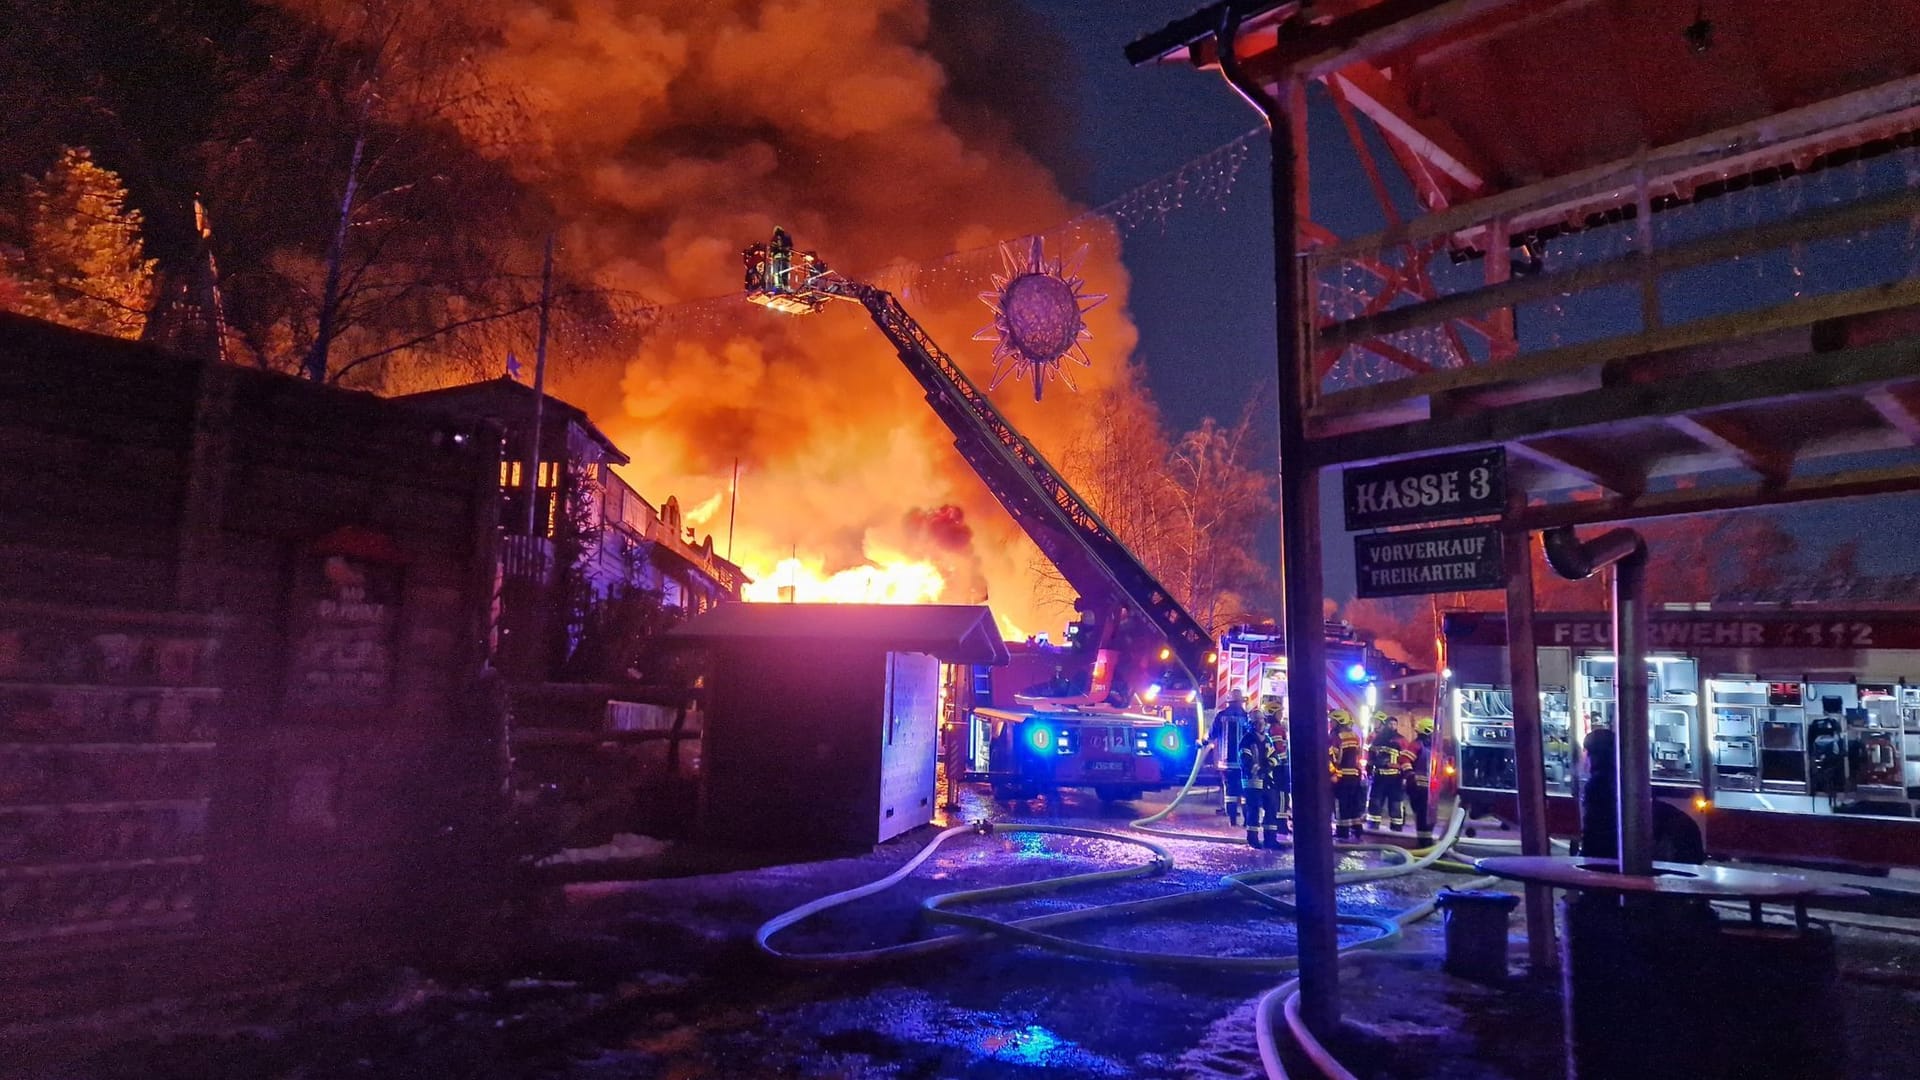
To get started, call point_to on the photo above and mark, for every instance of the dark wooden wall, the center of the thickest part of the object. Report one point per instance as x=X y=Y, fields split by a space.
x=790 y=746
x=330 y=556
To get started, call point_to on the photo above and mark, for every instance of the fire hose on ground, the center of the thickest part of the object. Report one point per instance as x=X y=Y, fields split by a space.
x=1263 y=886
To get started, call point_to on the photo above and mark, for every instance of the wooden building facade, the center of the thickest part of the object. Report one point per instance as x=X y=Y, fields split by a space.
x=243 y=634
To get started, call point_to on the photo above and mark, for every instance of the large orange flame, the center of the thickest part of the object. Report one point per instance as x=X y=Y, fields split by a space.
x=807 y=582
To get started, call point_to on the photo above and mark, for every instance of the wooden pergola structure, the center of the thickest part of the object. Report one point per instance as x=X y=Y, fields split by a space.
x=1666 y=257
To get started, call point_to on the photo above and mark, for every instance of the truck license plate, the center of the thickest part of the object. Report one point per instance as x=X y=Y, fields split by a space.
x=1104 y=766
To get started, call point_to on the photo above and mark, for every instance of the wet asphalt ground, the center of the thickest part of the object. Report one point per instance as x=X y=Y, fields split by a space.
x=661 y=979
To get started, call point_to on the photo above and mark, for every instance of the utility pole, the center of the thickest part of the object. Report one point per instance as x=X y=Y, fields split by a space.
x=539 y=396
x=733 y=504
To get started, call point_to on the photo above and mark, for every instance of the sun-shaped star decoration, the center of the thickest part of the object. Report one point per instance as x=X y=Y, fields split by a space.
x=1037 y=308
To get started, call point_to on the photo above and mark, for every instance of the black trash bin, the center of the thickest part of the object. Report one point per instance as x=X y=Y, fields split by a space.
x=1658 y=987
x=1779 y=990
x=1476 y=932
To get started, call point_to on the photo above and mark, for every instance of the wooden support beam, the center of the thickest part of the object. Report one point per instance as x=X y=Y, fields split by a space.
x=1721 y=341
x=1562 y=455
x=1901 y=412
x=1722 y=434
x=1766 y=139
x=1834 y=221
x=1855 y=484
x=1785 y=379
x=1377 y=30
x=1430 y=139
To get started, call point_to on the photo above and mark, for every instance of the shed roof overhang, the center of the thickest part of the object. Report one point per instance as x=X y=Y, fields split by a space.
x=1542 y=116
x=952 y=633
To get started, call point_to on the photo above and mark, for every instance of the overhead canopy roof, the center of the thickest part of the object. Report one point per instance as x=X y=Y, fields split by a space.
x=1518 y=91
x=953 y=633
x=1520 y=119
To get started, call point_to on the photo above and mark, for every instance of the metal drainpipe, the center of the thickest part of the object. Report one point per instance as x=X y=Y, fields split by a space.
x=1319 y=943
x=1626 y=552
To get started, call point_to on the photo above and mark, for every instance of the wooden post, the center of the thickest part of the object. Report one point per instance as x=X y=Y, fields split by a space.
x=203 y=506
x=1302 y=594
x=1301 y=589
x=1529 y=753
x=539 y=410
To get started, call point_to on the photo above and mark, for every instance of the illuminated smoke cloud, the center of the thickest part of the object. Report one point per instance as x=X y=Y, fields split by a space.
x=666 y=135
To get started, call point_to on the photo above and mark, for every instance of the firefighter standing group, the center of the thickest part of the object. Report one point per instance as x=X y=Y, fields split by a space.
x=1374 y=785
x=1373 y=789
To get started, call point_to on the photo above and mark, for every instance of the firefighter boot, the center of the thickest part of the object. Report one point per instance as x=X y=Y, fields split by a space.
x=1233 y=813
x=1253 y=838
x=1285 y=826
x=1273 y=839
x=1424 y=840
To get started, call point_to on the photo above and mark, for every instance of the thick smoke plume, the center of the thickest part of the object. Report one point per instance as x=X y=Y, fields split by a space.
x=666 y=135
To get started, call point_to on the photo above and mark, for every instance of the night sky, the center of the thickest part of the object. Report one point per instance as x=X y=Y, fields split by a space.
x=1202 y=290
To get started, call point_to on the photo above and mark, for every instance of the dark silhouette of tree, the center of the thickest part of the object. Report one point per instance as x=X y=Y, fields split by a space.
x=371 y=232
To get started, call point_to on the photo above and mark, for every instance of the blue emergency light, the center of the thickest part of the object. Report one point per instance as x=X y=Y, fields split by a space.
x=1170 y=740
x=1040 y=737
x=1357 y=673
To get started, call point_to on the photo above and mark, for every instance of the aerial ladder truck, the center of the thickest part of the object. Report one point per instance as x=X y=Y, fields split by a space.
x=1120 y=712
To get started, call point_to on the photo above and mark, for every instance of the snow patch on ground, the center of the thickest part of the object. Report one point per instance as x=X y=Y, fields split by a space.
x=1226 y=1051
x=622 y=846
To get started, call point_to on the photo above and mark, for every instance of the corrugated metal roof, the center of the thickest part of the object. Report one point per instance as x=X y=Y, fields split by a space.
x=955 y=633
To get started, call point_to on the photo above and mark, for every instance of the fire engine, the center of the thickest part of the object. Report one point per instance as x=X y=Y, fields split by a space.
x=1115 y=705
x=1253 y=660
x=1782 y=733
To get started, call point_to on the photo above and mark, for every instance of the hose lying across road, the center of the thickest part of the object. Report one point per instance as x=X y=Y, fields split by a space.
x=1263 y=886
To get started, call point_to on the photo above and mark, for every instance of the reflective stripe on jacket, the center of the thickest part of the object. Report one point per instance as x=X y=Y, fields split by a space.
x=1344 y=755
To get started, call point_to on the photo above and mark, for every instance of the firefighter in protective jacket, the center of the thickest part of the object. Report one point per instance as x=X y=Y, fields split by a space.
x=1420 y=780
x=1349 y=791
x=1255 y=747
x=1279 y=767
x=1229 y=724
x=1386 y=764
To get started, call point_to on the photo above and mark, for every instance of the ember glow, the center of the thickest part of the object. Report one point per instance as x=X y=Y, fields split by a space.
x=799 y=581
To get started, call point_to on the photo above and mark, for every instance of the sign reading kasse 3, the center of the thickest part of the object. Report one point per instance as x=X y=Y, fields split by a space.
x=1439 y=487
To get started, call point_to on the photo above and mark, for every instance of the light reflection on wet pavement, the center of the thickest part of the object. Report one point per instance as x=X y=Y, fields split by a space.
x=994 y=1009
x=659 y=978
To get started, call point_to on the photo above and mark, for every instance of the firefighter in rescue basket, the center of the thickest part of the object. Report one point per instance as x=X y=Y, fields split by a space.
x=1349 y=791
x=1386 y=767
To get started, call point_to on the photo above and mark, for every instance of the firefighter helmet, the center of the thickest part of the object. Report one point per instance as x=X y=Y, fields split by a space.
x=1423 y=726
x=1270 y=704
x=1340 y=718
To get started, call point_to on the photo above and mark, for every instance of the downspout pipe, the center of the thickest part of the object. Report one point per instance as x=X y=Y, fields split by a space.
x=1300 y=570
x=1626 y=553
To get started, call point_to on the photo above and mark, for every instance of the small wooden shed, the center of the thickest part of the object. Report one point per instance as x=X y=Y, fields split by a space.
x=821 y=724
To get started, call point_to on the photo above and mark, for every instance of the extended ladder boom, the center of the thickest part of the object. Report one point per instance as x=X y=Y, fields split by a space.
x=1087 y=553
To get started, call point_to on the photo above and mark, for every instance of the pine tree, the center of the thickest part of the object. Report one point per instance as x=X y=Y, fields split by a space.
x=81 y=263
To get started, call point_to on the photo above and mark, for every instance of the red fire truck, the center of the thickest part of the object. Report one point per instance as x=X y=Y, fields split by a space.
x=1783 y=733
x=1115 y=705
